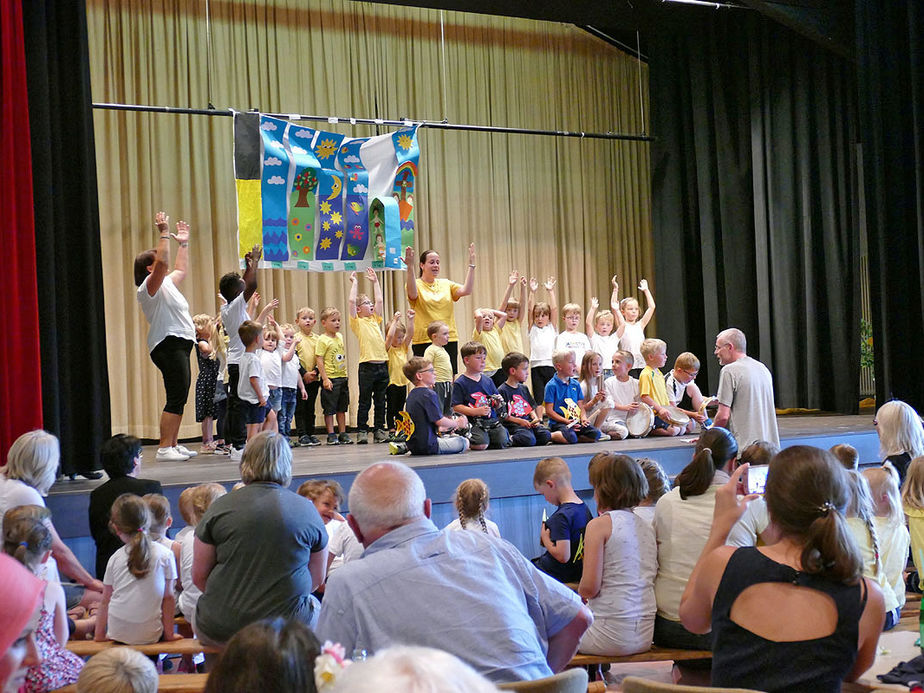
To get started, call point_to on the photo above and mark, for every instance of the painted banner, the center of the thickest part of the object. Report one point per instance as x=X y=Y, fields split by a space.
x=320 y=201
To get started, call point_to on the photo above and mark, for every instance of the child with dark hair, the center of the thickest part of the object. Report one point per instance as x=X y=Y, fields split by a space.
x=121 y=458
x=620 y=561
x=138 y=603
x=522 y=422
x=471 y=500
x=472 y=395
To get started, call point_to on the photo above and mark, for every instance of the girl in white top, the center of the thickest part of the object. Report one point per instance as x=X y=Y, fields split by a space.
x=620 y=561
x=596 y=404
x=138 y=603
x=622 y=391
x=195 y=501
x=658 y=485
x=682 y=522
x=161 y=519
x=542 y=334
x=894 y=539
x=629 y=327
x=471 y=501
x=601 y=329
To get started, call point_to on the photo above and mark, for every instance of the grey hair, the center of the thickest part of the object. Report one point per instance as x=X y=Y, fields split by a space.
x=118 y=670
x=267 y=457
x=33 y=459
x=735 y=337
x=412 y=670
x=386 y=495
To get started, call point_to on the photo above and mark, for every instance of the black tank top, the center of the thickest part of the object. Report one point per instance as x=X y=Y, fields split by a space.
x=743 y=659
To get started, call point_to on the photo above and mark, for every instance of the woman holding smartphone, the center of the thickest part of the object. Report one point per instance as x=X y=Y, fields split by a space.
x=813 y=567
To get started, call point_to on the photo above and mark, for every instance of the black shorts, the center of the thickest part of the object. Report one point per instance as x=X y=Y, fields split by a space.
x=255 y=413
x=171 y=357
x=337 y=399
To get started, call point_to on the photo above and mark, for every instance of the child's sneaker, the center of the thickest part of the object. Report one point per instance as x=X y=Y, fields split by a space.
x=235 y=454
x=362 y=438
x=344 y=439
x=170 y=455
x=397 y=448
x=380 y=436
x=305 y=440
x=313 y=441
x=332 y=439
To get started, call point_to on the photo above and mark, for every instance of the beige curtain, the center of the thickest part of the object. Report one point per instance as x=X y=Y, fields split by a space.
x=576 y=209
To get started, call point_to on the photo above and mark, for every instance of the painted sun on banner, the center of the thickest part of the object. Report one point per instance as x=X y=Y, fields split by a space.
x=320 y=201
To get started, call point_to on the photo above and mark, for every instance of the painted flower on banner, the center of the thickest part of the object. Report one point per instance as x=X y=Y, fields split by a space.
x=325 y=149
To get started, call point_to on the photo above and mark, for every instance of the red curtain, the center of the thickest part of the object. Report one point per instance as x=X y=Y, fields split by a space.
x=20 y=365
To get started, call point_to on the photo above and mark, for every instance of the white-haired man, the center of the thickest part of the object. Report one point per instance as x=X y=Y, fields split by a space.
x=468 y=594
x=745 y=392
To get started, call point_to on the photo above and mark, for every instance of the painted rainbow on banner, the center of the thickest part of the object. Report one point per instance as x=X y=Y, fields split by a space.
x=320 y=201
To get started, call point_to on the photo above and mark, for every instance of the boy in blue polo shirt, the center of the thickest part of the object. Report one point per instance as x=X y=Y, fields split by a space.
x=564 y=403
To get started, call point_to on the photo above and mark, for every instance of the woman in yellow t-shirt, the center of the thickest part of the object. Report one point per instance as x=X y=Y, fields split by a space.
x=432 y=297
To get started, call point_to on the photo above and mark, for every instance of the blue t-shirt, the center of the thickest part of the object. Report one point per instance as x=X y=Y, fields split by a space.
x=474 y=393
x=566 y=524
x=423 y=406
x=519 y=402
x=564 y=397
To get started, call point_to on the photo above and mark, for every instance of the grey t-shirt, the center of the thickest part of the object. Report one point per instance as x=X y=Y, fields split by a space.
x=746 y=386
x=263 y=536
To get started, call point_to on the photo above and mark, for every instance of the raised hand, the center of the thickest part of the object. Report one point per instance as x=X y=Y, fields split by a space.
x=161 y=221
x=182 y=232
x=410 y=313
x=353 y=277
x=614 y=282
x=397 y=315
x=533 y=284
x=409 y=256
x=471 y=253
x=371 y=275
x=643 y=285
x=513 y=278
x=549 y=283
x=594 y=303
x=523 y=280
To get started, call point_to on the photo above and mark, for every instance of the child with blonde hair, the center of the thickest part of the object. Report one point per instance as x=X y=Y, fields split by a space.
x=118 y=670
x=572 y=339
x=210 y=367
x=596 y=403
x=601 y=329
x=438 y=333
x=161 y=518
x=913 y=507
x=198 y=499
x=488 y=326
x=630 y=328
x=138 y=603
x=652 y=389
x=398 y=339
x=305 y=319
x=372 y=373
x=658 y=485
x=342 y=545
x=543 y=332
x=28 y=540
x=471 y=500
x=293 y=387
x=512 y=331
x=894 y=539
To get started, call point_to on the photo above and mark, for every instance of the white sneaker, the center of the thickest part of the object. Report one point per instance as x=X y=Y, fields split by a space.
x=170 y=455
x=236 y=454
x=186 y=451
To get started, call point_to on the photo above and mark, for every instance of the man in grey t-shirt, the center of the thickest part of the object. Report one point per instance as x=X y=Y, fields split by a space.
x=745 y=392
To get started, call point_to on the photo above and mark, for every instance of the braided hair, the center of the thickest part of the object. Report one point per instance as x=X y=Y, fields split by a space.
x=471 y=502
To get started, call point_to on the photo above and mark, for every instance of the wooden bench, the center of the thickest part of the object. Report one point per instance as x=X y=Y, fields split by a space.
x=186 y=646
x=655 y=654
x=167 y=683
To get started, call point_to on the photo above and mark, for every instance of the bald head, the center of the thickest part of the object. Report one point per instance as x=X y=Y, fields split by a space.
x=385 y=496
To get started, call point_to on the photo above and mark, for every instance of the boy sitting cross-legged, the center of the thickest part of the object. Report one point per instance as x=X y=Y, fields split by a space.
x=563 y=400
x=472 y=395
x=523 y=424
x=423 y=407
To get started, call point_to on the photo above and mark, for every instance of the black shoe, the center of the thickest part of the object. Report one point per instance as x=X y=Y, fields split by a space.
x=313 y=441
x=92 y=476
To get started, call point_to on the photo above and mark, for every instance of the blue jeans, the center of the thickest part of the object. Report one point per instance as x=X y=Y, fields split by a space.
x=287 y=411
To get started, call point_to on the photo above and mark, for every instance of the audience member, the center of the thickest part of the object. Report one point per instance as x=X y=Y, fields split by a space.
x=894 y=540
x=161 y=518
x=847 y=455
x=620 y=561
x=200 y=499
x=562 y=534
x=901 y=437
x=658 y=485
x=261 y=550
x=913 y=507
x=471 y=500
x=121 y=459
x=268 y=655
x=814 y=568
x=21 y=605
x=682 y=520
x=412 y=670
x=518 y=625
x=118 y=670
x=755 y=518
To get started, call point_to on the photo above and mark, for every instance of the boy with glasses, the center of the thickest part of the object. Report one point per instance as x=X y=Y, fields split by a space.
x=423 y=410
x=683 y=392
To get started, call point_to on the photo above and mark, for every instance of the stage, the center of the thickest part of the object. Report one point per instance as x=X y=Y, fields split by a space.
x=515 y=506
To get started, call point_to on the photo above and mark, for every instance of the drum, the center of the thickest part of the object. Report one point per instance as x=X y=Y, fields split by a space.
x=676 y=416
x=641 y=421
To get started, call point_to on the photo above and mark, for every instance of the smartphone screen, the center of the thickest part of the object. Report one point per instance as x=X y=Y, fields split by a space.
x=757 y=478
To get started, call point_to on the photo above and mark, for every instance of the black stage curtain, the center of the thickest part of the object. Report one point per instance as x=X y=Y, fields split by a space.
x=754 y=202
x=75 y=380
x=890 y=56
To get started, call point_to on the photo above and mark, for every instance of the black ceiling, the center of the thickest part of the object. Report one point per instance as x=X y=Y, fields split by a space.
x=627 y=23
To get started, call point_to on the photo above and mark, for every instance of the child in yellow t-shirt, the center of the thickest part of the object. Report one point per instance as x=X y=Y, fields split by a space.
x=512 y=332
x=397 y=342
x=652 y=389
x=330 y=356
x=305 y=319
x=438 y=332
x=488 y=326
x=366 y=324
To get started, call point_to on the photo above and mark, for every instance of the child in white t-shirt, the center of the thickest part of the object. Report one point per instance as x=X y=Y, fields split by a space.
x=622 y=391
x=138 y=602
x=542 y=335
x=161 y=519
x=194 y=502
x=601 y=329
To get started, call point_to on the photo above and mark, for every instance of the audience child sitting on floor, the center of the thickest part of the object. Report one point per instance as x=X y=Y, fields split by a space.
x=562 y=534
x=471 y=500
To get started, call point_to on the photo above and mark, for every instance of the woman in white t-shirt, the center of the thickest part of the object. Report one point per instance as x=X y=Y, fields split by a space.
x=682 y=521
x=138 y=602
x=171 y=335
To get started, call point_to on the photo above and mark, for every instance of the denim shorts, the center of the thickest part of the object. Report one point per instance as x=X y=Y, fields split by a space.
x=275 y=398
